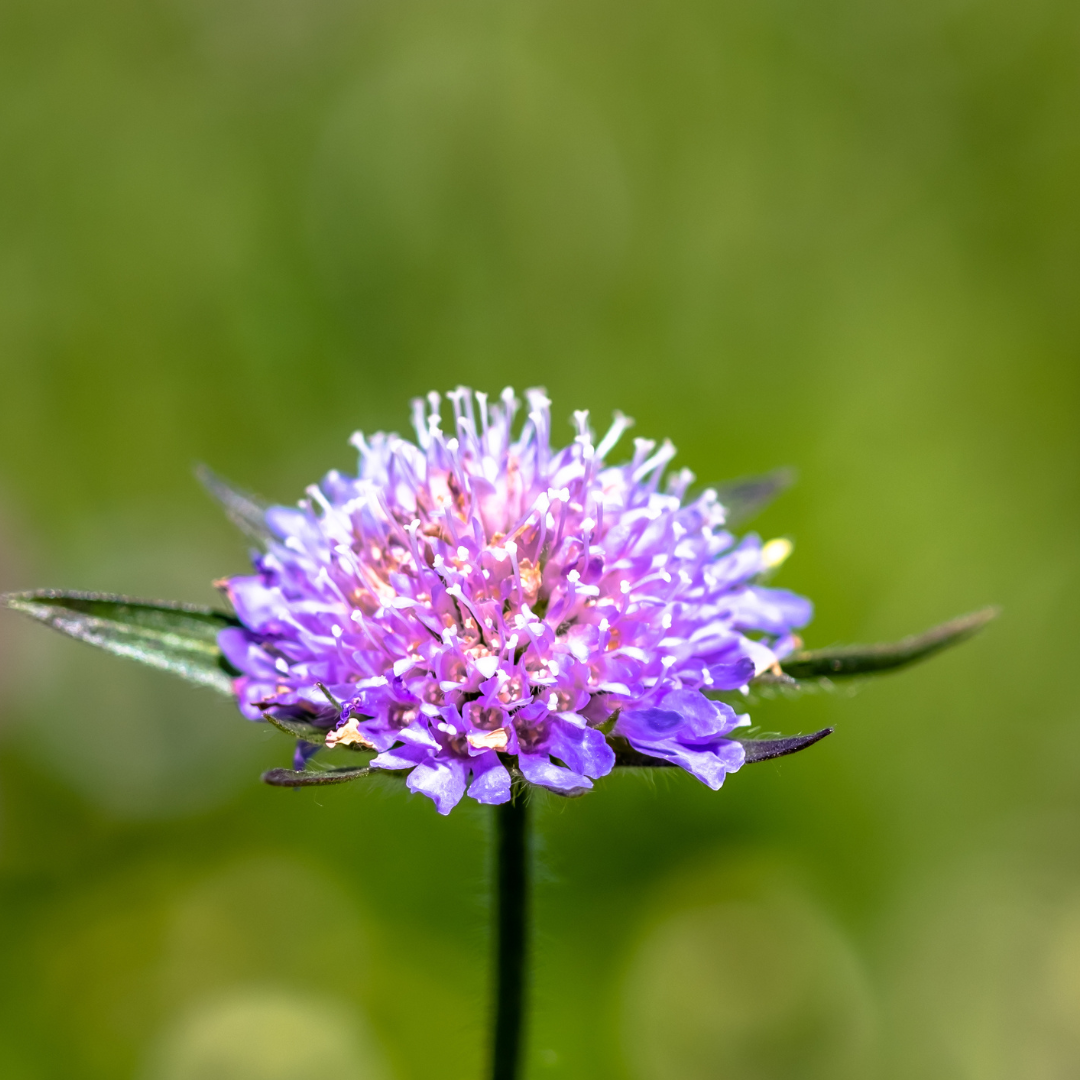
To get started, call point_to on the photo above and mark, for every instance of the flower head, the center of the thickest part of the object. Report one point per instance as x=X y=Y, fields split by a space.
x=478 y=600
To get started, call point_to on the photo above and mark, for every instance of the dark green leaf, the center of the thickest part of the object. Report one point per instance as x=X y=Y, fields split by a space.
x=180 y=638
x=848 y=660
x=746 y=497
x=765 y=749
x=313 y=777
x=756 y=750
x=297 y=729
x=246 y=511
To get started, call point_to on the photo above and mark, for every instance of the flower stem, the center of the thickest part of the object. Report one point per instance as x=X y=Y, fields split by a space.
x=511 y=824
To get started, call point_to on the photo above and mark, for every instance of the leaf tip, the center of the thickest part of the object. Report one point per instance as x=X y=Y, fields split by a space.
x=767 y=749
x=246 y=511
x=27 y=603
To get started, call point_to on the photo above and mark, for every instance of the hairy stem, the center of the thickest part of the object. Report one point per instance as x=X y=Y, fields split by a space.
x=511 y=825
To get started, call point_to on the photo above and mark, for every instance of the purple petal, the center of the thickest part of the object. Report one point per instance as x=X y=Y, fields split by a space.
x=583 y=749
x=245 y=653
x=303 y=753
x=541 y=770
x=730 y=676
x=401 y=757
x=286 y=522
x=250 y=695
x=491 y=781
x=684 y=715
x=703 y=717
x=742 y=563
x=776 y=611
x=651 y=723
x=442 y=780
x=709 y=764
x=256 y=605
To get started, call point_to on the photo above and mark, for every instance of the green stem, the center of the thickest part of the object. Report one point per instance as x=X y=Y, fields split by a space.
x=511 y=824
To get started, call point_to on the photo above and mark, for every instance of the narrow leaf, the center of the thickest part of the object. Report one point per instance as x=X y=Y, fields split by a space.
x=313 y=777
x=848 y=660
x=246 y=511
x=181 y=638
x=748 y=496
x=756 y=750
x=765 y=749
x=297 y=728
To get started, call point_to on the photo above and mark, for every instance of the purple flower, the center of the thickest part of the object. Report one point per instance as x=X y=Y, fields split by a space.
x=480 y=601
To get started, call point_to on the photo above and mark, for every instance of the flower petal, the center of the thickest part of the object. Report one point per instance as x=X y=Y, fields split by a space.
x=583 y=749
x=776 y=611
x=710 y=764
x=541 y=770
x=491 y=781
x=441 y=779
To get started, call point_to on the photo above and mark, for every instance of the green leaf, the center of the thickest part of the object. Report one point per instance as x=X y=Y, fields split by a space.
x=297 y=729
x=314 y=777
x=849 y=660
x=766 y=749
x=246 y=511
x=748 y=496
x=181 y=638
x=756 y=750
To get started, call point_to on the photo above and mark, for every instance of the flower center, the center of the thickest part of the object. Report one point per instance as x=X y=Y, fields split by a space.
x=401 y=715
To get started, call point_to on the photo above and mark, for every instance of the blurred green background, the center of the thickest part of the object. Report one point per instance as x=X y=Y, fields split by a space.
x=842 y=236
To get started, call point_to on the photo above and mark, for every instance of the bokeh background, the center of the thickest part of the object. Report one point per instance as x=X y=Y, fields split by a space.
x=841 y=235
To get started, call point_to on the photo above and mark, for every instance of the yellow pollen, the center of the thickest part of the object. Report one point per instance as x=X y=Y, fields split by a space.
x=776 y=552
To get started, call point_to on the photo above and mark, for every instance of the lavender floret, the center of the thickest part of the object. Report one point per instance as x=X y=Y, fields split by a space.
x=480 y=601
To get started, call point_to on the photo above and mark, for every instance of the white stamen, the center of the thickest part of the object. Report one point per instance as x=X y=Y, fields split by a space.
x=619 y=424
x=657 y=461
x=487 y=665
